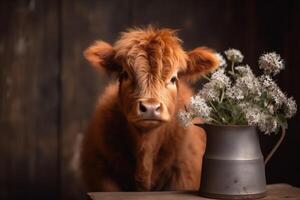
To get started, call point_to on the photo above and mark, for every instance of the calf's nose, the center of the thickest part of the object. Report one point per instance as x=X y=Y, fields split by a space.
x=149 y=109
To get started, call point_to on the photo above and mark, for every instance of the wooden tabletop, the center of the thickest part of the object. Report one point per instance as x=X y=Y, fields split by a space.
x=275 y=192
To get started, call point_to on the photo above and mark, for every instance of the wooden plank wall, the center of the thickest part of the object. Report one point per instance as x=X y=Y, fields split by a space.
x=30 y=104
x=48 y=91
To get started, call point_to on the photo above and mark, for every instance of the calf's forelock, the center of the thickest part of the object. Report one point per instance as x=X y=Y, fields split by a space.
x=151 y=51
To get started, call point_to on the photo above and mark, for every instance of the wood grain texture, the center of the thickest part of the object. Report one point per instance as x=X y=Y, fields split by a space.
x=275 y=192
x=29 y=100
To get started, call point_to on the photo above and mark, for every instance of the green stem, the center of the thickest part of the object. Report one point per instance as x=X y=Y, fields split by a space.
x=222 y=95
x=215 y=109
x=212 y=119
x=206 y=77
x=212 y=105
x=232 y=67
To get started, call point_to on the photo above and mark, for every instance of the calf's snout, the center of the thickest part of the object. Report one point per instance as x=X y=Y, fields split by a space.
x=149 y=109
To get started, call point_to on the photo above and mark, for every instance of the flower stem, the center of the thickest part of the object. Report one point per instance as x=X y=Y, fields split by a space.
x=232 y=67
x=218 y=114
x=212 y=105
x=222 y=95
x=212 y=119
x=206 y=77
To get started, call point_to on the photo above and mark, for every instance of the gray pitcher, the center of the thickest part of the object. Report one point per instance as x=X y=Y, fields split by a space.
x=233 y=165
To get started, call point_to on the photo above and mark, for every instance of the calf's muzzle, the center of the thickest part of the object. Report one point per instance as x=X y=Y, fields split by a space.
x=149 y=109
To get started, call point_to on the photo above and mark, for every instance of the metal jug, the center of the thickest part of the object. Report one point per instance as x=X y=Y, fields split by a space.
x=233 y=165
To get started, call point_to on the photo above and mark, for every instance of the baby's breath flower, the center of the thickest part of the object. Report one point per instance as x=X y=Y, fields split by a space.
x=266 y=81
x=211 y=89
x=244 y=70
x=272 y=90
x=248 y=84
x=234 y=55
x=221 y=60
x=185 y=118
x=270 y=108
x=247 y=81
x=220 y=79
x=267 y=124
x=253 y=115
x=290 y=107
x=235 y=93
x=209 y=92
x=199 y=107
x=271 y=63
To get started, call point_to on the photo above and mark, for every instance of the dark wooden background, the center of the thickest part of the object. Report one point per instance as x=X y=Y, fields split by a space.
x=48 y=92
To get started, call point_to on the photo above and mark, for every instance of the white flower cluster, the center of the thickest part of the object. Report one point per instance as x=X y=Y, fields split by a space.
x=199 y=107
x=252 y=114
x=185 y=118
x=218 y=81
x=290 y=107
x=221 y=59
x=247 y=81
x=256 y=116
x=272 y=89
x=196 y=108
x=244 y=70
x=234 y=55
x=235 y=92
x=209 y=93
x=267 y=124
x=238 y=97
x=271 y=63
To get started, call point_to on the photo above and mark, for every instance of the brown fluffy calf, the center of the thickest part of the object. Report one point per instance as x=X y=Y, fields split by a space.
x=134 y=141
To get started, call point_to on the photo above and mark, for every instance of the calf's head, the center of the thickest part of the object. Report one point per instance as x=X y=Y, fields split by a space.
x=150 y=64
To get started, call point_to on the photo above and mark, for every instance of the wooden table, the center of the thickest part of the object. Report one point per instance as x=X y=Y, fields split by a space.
x=275 y=192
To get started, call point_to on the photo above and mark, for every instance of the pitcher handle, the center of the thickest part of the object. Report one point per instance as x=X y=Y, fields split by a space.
x=276 y=146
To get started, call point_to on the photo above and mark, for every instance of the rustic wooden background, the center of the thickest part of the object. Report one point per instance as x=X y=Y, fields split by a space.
x=48 y=92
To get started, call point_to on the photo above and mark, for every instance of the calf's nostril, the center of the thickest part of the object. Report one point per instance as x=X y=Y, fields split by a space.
x=157 y=107
x=142 y=107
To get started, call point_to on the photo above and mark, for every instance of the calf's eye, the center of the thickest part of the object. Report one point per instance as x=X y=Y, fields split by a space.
x=124 y=75
x=173 y=80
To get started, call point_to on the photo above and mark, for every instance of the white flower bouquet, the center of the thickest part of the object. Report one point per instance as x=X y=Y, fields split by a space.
x=234 y=95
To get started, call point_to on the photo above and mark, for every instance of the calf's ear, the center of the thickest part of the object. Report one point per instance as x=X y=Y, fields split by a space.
x=201 y=61
x=101 y=56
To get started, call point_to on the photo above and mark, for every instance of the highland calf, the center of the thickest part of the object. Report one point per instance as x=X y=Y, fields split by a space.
x=134 y=141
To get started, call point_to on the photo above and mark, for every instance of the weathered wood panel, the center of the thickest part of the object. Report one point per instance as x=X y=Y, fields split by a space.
x=199 y=22
x=83 y=22
x=29 y=100
x=196 y=20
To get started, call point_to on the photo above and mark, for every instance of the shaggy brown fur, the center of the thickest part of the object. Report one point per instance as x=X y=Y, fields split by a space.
x=123 y=150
